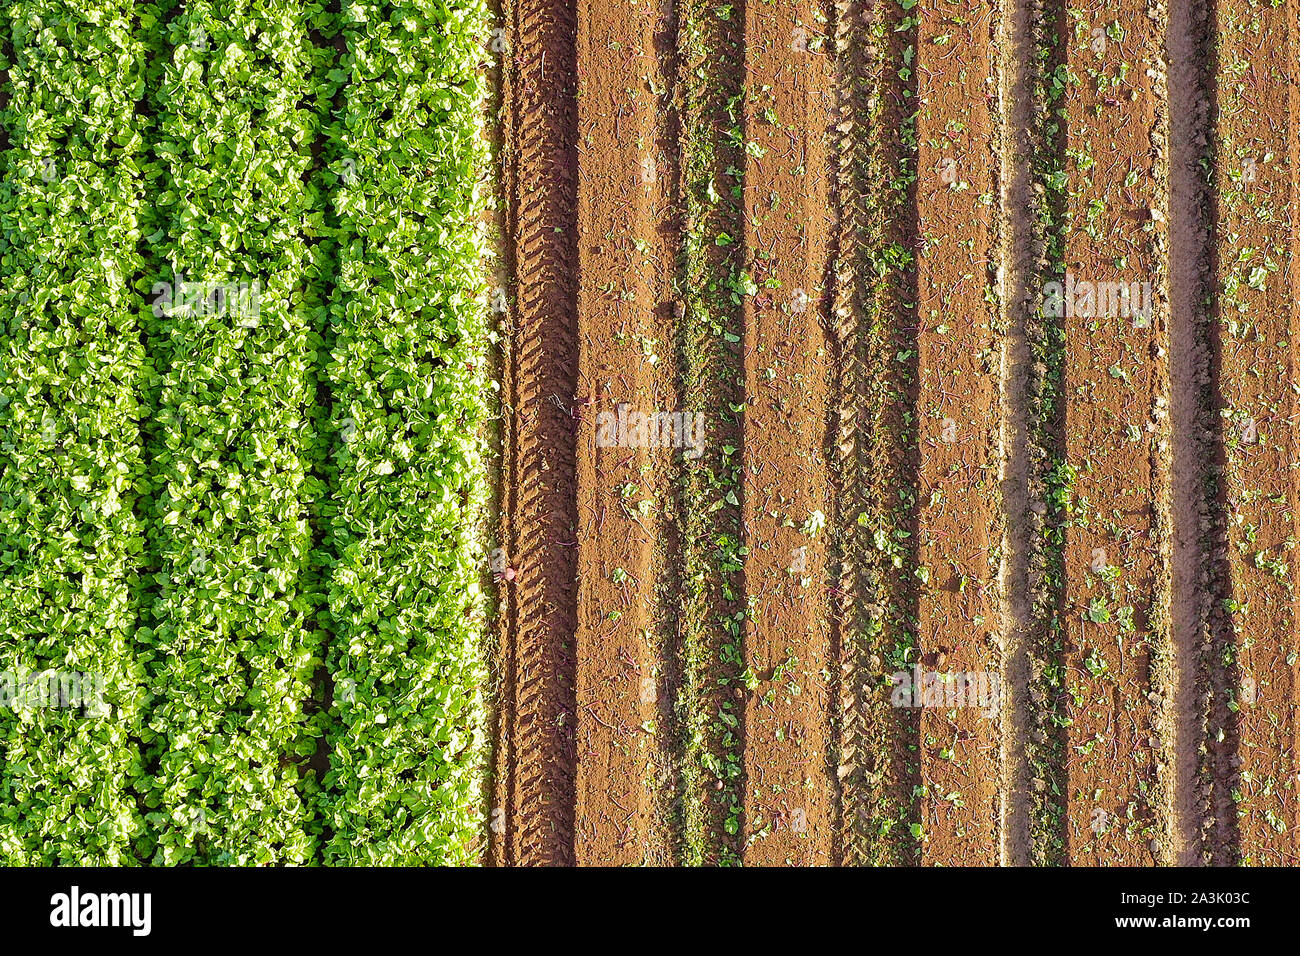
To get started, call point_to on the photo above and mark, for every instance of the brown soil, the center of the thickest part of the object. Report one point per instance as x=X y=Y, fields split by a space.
x=747 y=211
x=789 y=815
x=1116 y=428
x=852 y=716
x=710 y=77
x=1255 y=182
x=626 y=254
x=876 y=453
x=532 y=819
x=959 y=357
x=1190 y=270
x=1019 y=534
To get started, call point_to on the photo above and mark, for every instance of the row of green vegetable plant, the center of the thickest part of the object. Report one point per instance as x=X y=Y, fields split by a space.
x=407 y=375
x=71 y=367
x=228 y=639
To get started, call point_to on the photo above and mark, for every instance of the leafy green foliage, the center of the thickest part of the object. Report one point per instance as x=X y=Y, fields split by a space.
x=239 y=513
x=228 y=638
x=407 y=379
x=70 y=458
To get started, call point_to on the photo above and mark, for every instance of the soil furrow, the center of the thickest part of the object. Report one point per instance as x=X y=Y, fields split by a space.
x=532 y=820
x=1192 y=452
x=710 y=78
x=879 y=774
x=1019 y=66
x=851 y=311
x=1047 y=472
x=848 y=318
x=788 y=110
x=687 y=437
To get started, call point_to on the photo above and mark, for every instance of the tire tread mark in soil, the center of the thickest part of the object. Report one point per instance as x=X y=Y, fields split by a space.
x=536 y=754
x=850 y=310
x=671 y=466
x=878 y=777
x=710 y=77
x=1221 y=675
x=1021 y=71
x=1047 y=139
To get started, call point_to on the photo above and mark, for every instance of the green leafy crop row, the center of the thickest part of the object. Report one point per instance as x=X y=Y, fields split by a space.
x=71 y=366
x=252 y=513
x=227 y=638
x=407 y=375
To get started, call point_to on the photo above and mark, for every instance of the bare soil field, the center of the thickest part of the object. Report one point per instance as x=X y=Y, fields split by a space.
x=898 y=431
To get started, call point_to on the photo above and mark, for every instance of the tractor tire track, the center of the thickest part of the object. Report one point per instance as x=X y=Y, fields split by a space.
x=1194 y=424
x=1021 y=72
x=878 y=774
x=532 y=820
x=851 y=311
x=710 y=78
